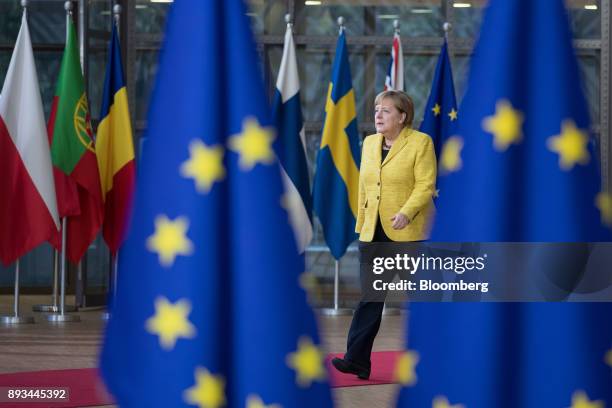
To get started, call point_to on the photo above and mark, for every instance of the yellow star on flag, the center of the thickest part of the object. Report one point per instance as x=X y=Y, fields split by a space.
x=505 y=125
x=452 y=114
x=603 y=201
x=581 y=400
x=405 y=373
x=609 y=358
x=170 y=239
x=571 y=145
x=442 y=402
x=255 y=401
x=254 y=144
x=205 y=165
x=436 y=109
x=450 y=157
x=208 y=390
x=307 y=361
x=170 y=322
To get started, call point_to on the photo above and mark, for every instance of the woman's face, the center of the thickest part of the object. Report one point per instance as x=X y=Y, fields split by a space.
x=387 y=118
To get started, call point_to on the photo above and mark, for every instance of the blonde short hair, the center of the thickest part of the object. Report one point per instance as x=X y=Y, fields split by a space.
x=401 y=101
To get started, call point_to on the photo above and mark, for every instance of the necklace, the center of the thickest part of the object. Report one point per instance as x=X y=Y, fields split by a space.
x=388 y=146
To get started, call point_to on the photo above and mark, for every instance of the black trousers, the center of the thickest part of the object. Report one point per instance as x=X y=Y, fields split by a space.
x=367 y=316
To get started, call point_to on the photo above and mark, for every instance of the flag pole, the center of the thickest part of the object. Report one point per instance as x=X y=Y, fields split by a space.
x=336 y=310
x=62 y=316
x=46 y=308
x=16 y=319
x=116 y=16
x=446 y=27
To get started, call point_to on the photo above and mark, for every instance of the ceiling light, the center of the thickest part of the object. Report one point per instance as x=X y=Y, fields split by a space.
x=462 y=5
x=591 y=6
x=388 y=16
x=312 y=2
x=421 y=11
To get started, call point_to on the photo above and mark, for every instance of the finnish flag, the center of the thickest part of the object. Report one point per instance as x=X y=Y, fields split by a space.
x=290 y=145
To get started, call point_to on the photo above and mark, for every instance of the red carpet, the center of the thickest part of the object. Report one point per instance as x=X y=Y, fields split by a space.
x=86 y=388
x=383 y=366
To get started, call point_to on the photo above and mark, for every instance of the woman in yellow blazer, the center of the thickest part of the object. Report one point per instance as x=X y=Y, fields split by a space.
x=397 y=181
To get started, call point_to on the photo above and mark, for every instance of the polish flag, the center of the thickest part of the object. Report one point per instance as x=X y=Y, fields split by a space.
x=28 y=207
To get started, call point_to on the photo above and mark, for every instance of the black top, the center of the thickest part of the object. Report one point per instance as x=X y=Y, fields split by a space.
x=379 y=233
x=385 y=152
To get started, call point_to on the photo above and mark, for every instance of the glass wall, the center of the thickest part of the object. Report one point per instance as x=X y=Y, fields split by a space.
x=369 y=27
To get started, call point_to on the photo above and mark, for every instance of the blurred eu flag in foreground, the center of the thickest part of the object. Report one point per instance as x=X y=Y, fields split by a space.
x=209 y=312
x=508 y=355
x=441 y=111
x=336 y=183
x=527 y=174
x=525 y=168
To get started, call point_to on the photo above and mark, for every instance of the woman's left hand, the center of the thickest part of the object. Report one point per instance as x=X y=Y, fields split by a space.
x=399 y=221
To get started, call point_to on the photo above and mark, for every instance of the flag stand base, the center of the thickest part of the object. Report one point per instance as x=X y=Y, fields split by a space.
x=53 y=308
x=332 y=311
x=336 y=311
x=63 y=318
x=9 y=320
x=391 y=311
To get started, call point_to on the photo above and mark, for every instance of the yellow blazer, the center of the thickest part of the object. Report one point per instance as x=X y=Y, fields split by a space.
x=405 y=182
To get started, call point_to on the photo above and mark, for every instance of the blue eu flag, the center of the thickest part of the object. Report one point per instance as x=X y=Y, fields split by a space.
x=209 y=311
x=441 y=114
x=526 y=172
x=508 y=355
x=522 y=166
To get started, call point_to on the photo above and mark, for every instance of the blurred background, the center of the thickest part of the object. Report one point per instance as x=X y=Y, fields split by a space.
x=369 y=28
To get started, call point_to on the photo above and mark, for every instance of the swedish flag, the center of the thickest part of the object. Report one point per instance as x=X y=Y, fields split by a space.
x=440 y=120
x=524 y=167
x=209 y=311
x=336 y=184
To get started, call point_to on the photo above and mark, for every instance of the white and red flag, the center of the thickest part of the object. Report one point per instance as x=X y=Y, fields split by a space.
x=28 y=207
x=395 y=72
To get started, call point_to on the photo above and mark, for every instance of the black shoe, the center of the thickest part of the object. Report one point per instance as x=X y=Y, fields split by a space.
x=348 y=367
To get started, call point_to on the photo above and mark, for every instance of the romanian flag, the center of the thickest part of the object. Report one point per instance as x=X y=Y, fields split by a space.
x=115 y=150
x=73 y=155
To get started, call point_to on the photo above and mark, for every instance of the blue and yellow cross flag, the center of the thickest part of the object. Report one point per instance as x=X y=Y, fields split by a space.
x=441 y=114
x=526 y=173
x=522 y=166
x=209 y=312
x=336 y=183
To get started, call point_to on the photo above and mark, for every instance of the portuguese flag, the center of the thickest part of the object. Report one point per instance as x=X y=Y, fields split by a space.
x=79 y=195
